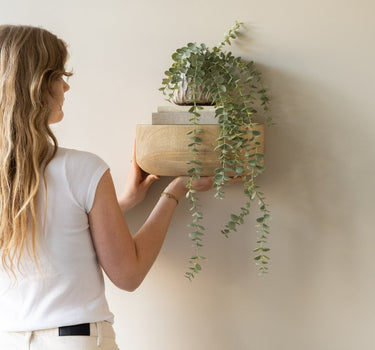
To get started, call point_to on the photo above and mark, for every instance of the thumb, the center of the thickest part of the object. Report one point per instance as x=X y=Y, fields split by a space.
x=150 y=179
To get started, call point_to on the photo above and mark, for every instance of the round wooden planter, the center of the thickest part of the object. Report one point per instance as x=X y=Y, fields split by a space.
x=163 y=149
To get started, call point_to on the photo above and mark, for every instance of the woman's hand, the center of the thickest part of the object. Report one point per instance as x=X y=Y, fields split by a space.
x=178 y=185
x=136 y=187
x=203 y=184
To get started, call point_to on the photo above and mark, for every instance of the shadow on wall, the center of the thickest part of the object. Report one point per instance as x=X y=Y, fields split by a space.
x=313 y=155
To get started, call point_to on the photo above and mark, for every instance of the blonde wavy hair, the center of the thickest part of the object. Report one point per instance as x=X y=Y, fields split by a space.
x=31 y=59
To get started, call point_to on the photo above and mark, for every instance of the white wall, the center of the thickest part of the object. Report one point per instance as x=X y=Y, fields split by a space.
x=317 y=58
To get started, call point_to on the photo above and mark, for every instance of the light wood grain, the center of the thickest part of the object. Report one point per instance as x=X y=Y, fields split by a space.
x=163 y=149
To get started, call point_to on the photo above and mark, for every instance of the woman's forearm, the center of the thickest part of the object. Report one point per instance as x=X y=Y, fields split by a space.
x=150 y=237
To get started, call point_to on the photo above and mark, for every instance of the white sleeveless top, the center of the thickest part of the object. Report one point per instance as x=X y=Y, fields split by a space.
x=68 y=288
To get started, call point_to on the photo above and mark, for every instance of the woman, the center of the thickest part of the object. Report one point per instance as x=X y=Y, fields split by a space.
x=61 y=222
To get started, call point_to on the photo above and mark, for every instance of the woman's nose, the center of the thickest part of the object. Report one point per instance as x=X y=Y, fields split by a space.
x=66 y=86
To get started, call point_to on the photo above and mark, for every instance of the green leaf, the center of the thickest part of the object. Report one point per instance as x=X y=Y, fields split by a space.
x=239 y=169
x=219 y=110
x=197 y=266
x=197 y=162
x=218 y=178
x=195 y=139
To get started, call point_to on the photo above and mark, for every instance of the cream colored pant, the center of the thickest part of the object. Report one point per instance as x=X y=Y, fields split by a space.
x=102 y=337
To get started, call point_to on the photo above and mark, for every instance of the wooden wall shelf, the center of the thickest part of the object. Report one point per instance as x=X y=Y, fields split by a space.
x=163 y=149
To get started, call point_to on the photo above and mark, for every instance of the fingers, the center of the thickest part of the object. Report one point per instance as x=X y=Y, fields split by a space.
x=150 y=179
x=134 y=151
x=209 y=181
x=135 y=169
x=203 y=184
x=235 y=179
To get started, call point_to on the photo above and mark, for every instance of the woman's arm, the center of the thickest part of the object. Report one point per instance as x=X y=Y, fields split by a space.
x=127 y=259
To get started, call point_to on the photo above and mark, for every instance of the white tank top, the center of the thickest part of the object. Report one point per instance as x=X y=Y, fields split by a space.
x=69 y=287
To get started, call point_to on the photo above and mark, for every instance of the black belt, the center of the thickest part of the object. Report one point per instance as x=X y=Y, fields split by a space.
x=78 y=329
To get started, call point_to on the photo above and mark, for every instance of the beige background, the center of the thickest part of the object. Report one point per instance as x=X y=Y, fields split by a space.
x=317 y=58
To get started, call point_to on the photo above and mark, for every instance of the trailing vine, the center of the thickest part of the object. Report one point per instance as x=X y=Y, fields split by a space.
x=237 y=92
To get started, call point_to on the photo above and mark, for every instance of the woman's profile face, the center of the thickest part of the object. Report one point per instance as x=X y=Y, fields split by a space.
x=56 y=100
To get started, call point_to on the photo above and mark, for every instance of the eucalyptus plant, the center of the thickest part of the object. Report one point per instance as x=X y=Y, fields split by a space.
x=237 y=92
